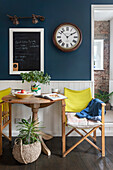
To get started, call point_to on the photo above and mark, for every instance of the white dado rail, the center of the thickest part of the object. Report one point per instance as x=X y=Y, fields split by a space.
x=75 y=85
x=50 y=116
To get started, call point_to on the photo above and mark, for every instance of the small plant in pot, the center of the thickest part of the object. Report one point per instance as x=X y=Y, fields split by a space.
x=36 y=77
x=105 y=97
x=27 y=147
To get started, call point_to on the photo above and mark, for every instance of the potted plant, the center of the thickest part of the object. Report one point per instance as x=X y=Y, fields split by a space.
x=36 y=77
x=105 y=97
x=27 y=147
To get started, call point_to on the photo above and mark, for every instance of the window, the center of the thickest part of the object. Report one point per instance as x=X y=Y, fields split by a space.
x=98 y=54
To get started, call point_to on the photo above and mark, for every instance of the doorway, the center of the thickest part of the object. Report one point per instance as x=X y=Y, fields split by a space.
x=102 y=53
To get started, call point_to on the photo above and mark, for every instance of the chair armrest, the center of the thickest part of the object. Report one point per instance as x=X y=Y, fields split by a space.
x=103 y=104
x=103 y=111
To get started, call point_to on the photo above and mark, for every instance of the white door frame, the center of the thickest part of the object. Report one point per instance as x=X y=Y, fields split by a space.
x=94 y=7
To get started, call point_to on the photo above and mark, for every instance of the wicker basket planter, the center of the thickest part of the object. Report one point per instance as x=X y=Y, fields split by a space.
x=26 y=153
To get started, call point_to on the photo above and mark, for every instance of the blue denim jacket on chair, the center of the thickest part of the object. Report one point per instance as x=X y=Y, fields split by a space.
x=92 y=111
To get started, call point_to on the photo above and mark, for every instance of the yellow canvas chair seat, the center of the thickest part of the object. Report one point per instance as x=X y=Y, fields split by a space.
x=5 y=116
x=77 y=101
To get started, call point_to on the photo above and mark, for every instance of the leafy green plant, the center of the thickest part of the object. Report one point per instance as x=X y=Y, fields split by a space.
x=36 y=76
x=103 y=95
x=28 y=131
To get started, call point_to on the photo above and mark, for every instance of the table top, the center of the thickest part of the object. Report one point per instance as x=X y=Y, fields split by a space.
x=31 y=100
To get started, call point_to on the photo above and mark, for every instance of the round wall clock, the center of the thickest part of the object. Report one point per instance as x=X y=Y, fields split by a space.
x=67 y=37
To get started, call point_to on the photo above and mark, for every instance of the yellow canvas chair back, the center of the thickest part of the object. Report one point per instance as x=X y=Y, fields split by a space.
x=5 y=116
x=77 y=100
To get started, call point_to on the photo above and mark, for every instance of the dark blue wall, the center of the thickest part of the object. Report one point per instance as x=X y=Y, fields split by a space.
x=61 y=66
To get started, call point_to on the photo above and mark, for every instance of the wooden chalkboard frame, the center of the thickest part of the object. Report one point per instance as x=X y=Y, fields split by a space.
x=11 y=46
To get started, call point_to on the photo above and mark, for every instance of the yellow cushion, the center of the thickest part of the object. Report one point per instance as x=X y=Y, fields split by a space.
x=77 y=100
x=4 y=93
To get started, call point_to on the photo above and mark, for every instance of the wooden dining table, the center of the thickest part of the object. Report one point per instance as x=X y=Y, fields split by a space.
x=35 y=103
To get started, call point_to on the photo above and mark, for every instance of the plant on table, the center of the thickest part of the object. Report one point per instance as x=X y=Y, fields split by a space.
x=27 y=146
x=36 y=77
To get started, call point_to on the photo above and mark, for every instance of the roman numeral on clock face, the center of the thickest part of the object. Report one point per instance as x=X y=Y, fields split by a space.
x=60 y=32
x=60 y=41
x=63 y=29
x=63 y=44
x=67 y=45
x=58 y=36
x=74 y=41
x=67 y=28
x=71 y=44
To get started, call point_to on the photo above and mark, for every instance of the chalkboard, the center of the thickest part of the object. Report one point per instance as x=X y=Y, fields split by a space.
x=26 y=51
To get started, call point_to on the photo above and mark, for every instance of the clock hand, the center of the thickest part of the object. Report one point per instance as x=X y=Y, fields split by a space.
x=65 y=34
x=72 y=33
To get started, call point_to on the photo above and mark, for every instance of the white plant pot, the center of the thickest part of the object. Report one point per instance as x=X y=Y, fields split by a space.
x=36 y=88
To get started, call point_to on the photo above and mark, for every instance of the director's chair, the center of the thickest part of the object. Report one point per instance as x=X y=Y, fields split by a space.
x=84 y=96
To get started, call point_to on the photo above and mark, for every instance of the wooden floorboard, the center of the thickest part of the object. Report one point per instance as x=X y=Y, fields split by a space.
x=84 y=157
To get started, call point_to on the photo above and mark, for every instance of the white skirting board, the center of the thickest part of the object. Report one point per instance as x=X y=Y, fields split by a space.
x=50 y=117
x=108 y=131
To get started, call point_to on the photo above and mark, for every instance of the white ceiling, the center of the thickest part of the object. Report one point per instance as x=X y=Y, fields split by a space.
x=103 y=15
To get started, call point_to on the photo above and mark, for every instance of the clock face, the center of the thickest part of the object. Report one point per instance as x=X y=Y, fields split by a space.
x=67 y=37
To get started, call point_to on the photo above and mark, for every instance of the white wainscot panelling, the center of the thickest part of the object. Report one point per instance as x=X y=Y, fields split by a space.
x=50 y=117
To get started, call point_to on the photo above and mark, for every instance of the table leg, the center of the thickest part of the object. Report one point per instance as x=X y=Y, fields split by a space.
x=45 y=149
x=46 y=136
x=63 y=129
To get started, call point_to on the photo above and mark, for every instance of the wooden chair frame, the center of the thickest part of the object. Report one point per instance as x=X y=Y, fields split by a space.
x=5 y=119
x=87 y=134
